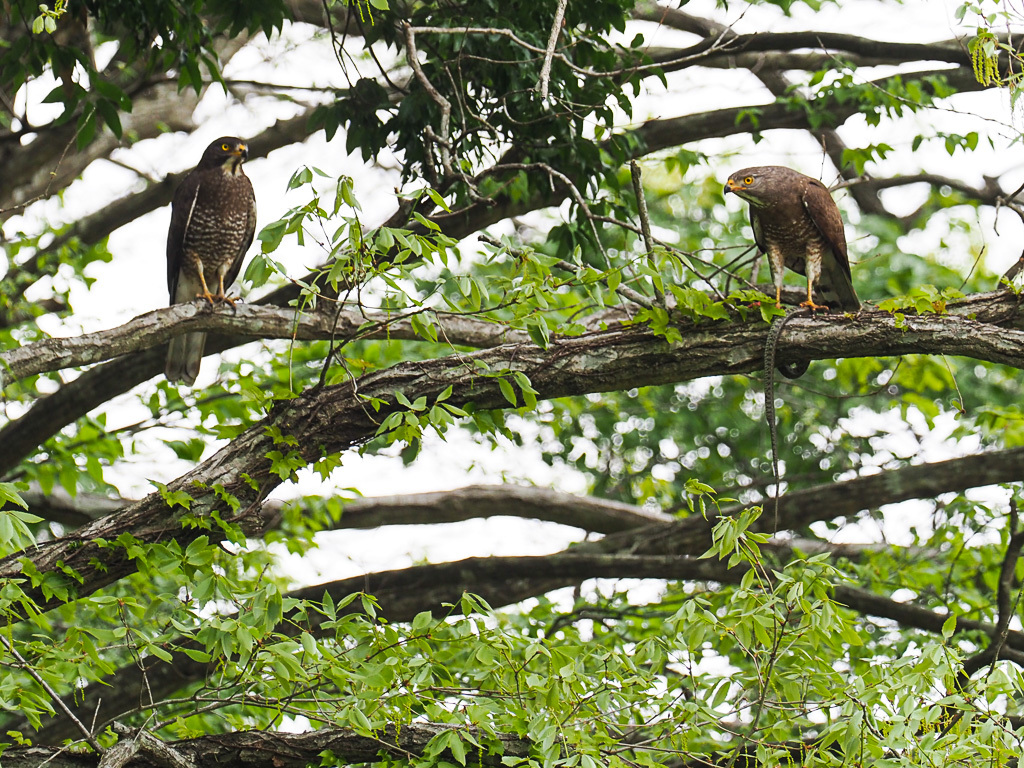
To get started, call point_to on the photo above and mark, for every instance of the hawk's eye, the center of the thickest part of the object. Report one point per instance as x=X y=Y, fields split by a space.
x=749 y=180
x=225 y=147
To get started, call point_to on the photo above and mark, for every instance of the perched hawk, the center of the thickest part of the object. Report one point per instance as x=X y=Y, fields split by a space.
x=213 y=217
x=797 y=224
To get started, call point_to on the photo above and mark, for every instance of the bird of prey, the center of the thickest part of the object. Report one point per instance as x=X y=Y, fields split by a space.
x=213 y=218
x=797 y=224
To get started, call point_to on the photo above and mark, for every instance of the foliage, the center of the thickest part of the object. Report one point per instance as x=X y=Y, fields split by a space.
x=740 y=647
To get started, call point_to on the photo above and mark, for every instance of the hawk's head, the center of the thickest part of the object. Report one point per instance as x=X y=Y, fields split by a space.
x=755 y=185
x=227 y=152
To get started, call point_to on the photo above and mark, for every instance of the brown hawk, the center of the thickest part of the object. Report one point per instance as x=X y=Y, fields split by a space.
x=213 y=218
x=797 y=224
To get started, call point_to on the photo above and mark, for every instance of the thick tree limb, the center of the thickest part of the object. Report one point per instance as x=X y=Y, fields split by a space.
x=871 y=333
x=826 y=336
x=798 y=509
x=729 y=45
x=707 y=349
x=243 y=320
x=483 y=501
x=472 y=502
x=269 y=749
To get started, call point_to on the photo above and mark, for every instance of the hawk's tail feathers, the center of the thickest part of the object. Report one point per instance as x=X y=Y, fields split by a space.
x=840 y=286
x=184 y=354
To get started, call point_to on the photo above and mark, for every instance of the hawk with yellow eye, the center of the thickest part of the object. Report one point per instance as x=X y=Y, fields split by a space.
x=797 y=225
x=213 y=218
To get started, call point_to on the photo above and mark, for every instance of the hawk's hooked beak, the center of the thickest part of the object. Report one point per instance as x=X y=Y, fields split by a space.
x=730 y=186
x=236 y=157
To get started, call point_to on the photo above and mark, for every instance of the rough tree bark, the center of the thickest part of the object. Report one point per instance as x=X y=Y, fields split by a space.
x=264 y=749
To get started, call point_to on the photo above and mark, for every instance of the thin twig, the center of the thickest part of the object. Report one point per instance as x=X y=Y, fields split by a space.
x=445 y=105
x=645 y=226
x=53 y=175
x=51 y=693
x=974 y=266
x=120 y=164
x=622 y=290
x=961 y=408
x=556 y=29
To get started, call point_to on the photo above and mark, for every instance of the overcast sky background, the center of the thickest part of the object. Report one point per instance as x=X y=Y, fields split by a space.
x=136 y=282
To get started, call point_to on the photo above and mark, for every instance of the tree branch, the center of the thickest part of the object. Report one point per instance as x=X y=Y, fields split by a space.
x=245 y=321
x=483 y=501
x=705 y=350
x=277 y=749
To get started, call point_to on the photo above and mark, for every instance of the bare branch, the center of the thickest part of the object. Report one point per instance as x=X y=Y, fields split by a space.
x=645 y=226
x=242 y=320
x=544 y=81
x=483 y=501
x=443 y=141
x=278 y=749
x=952 y=51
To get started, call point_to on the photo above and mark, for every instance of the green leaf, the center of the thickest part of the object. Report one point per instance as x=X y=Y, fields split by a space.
x=9 y=495
x=422 y=621
x=109 y=112
x=539 y=333
x=507 y=391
